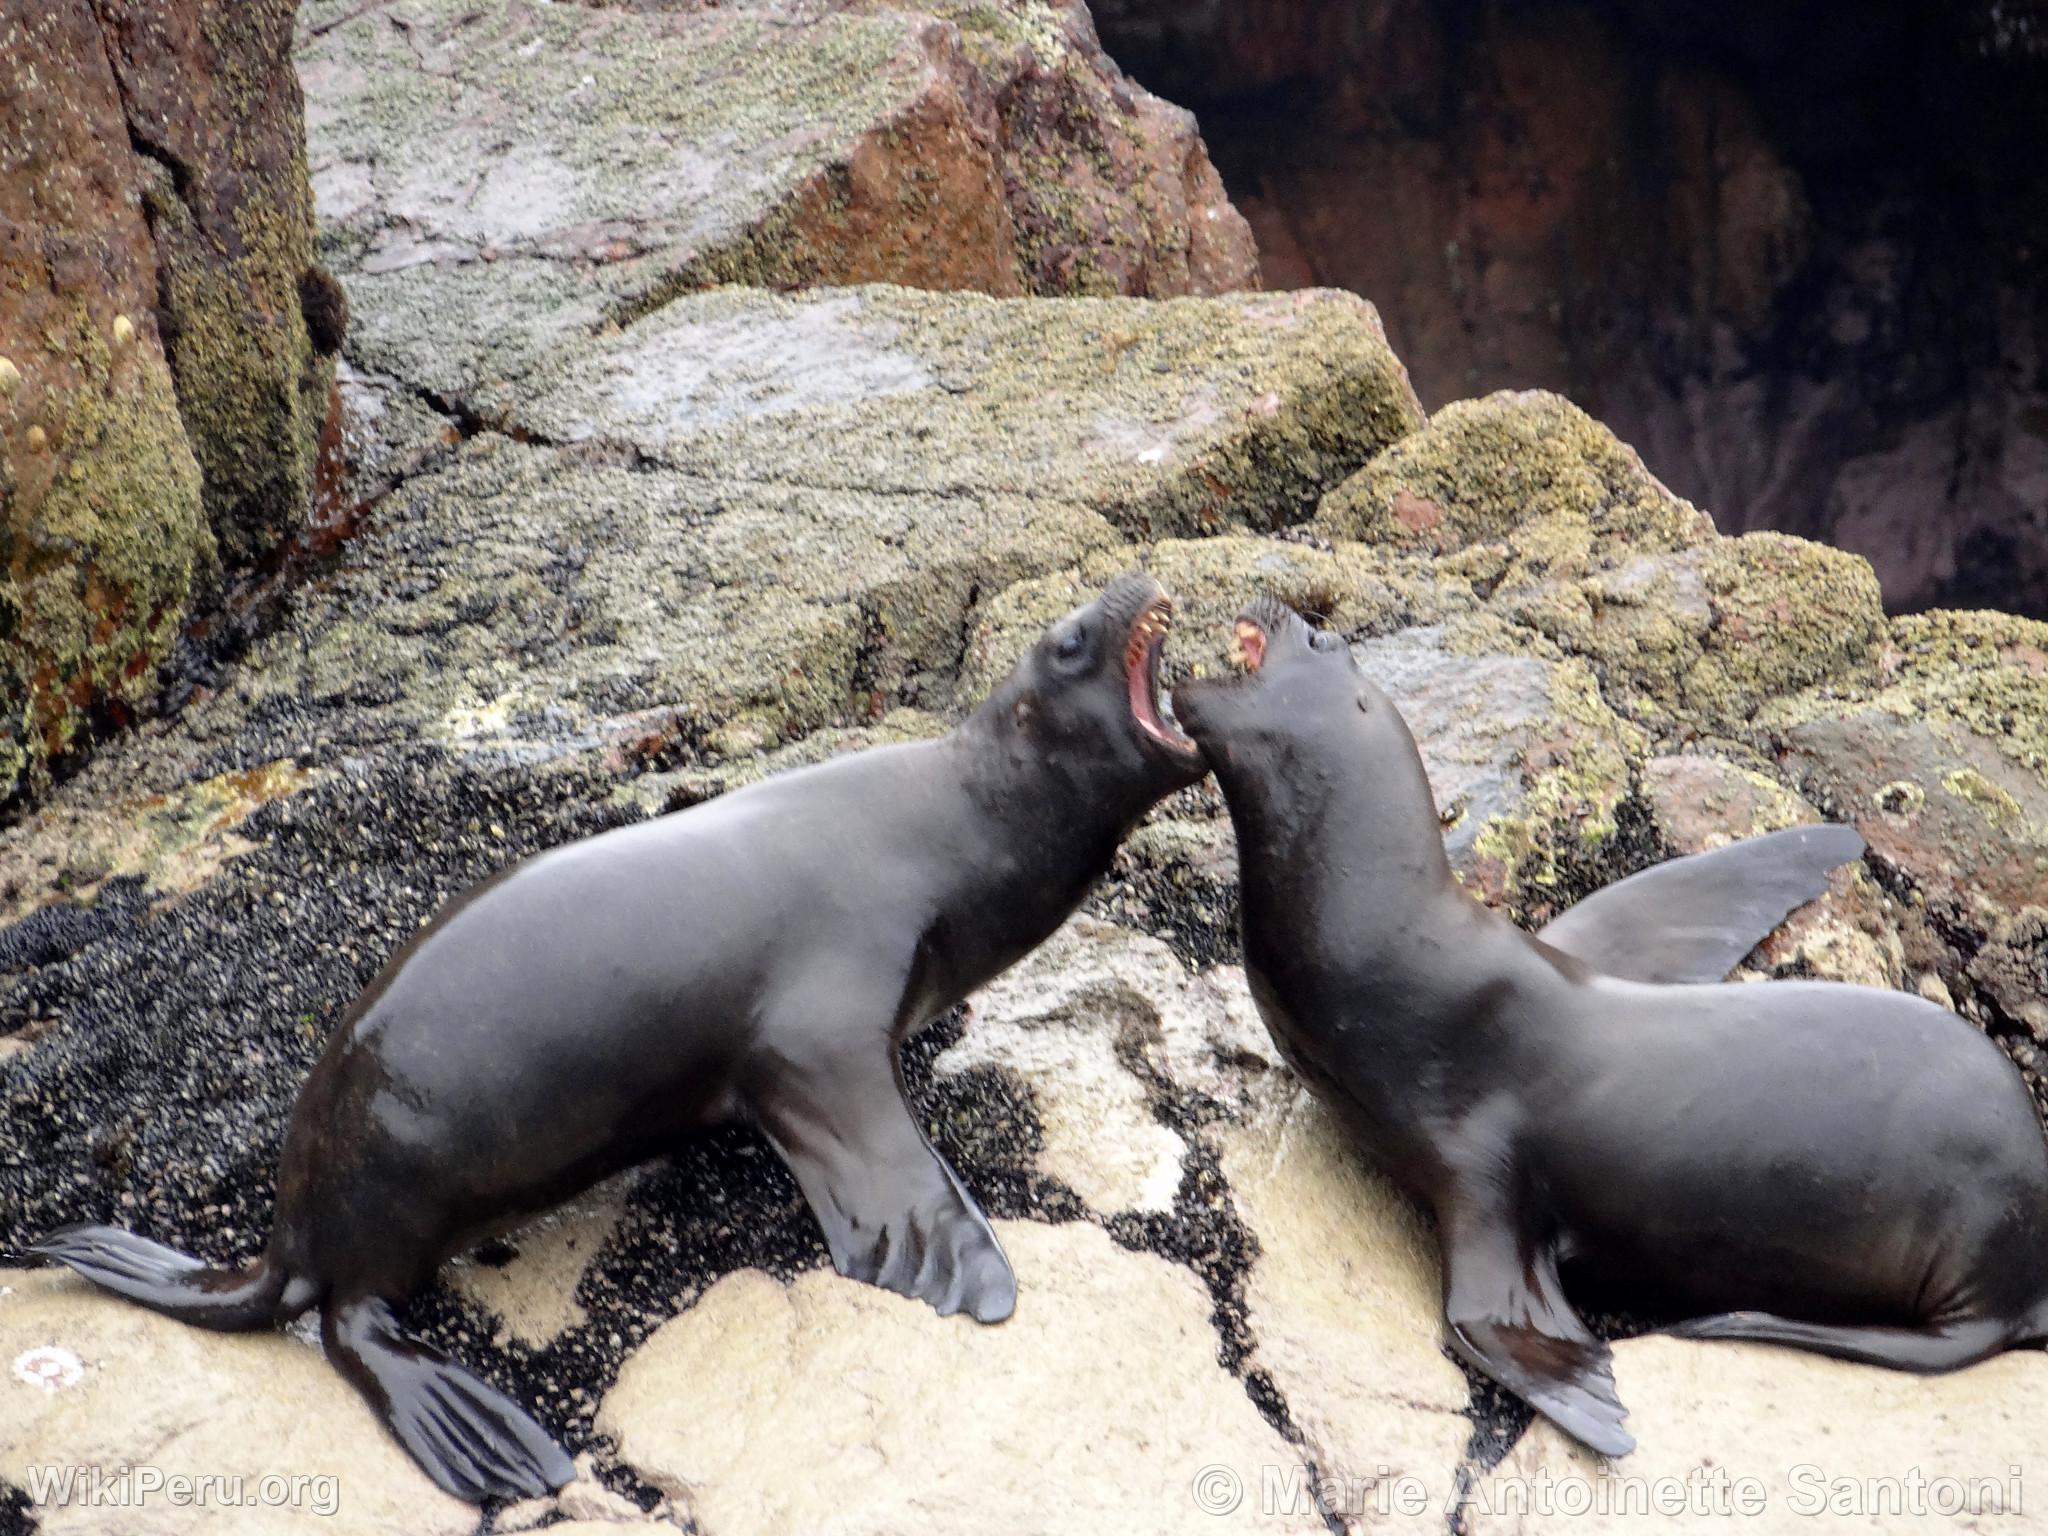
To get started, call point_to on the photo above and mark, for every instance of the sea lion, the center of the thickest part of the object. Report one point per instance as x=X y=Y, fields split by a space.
x=760 y=956
x=1839 y=1168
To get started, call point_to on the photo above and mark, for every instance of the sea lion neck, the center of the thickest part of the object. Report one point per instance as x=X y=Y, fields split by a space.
x=1022 y=780
x=1349 y=792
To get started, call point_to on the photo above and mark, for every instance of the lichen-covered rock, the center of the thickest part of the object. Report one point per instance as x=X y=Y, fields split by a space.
x=1531 y=470
x=1940 y=757
x=1556 y=526
x=1162 y=418
x=1696 y=641
x=1529 y=764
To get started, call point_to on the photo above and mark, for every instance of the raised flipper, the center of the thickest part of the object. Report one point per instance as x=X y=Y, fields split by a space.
x=170 y=1282
x=1924 y=1351
x=894 y=1214
x=1693 y=919
x=467 y=1435
x=1508 y=1318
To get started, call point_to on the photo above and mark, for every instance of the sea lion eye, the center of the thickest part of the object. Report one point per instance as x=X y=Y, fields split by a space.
x=1070 y=645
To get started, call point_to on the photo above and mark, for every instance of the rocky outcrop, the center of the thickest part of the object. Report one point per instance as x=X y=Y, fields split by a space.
x=161 y=390
x=622 y=561
x=966 y=144
x=1791 y=254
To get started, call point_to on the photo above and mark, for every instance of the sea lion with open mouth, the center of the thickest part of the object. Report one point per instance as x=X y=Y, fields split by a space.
x=760 y=956
x=1838 y=1168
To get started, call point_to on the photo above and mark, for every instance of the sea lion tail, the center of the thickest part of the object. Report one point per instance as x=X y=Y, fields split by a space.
x=174 y=1283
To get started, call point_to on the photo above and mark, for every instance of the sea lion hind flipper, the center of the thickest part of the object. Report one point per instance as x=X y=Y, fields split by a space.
x=1569 y=1381
x=895 y=1215
x=170 y=1282
x=1693 y=919
x=469 y=1437
x=1924 y=1351
x=1508 y=1319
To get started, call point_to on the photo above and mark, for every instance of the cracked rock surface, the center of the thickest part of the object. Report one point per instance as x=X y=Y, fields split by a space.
x=627 y=544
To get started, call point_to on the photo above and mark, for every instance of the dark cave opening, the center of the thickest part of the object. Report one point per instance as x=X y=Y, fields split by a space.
x=1796 y=254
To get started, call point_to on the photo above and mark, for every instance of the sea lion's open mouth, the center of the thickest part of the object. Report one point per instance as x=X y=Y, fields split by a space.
x=1149 y=706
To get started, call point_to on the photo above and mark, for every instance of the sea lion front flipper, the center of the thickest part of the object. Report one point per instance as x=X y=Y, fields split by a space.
x=1695 y=918
x=1508 y=1318
x=468 y=1436
x=894 y=1214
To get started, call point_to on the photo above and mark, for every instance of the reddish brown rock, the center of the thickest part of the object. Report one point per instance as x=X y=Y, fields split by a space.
x=103 y=528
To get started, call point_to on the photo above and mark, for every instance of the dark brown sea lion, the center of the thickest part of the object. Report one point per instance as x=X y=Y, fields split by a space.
x=760 y=956
x=1838 y=1168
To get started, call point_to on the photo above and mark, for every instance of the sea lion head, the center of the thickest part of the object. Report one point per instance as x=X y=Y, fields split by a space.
x=1299 y=703
x=1086 y=697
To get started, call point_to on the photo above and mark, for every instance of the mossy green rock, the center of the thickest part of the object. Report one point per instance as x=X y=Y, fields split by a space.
x=1527 y=471
x=214 y=113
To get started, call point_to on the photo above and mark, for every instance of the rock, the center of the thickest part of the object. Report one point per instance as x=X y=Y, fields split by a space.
x=1110 y=188
x=1092 y=1025
x=1853 y=933
x=1528 y=763
x=1096 y=1407
x=615 y=158
x=1196 y=415
x=1941 y=759
x=1528 y=464
x=290 y=1444
x=1749 y=1438
x=1700 y=801
x=161 y=401
x=533 y=1292
x=1344 y=1303
x=104 y=522
x=1557 y=525
x=217 y=127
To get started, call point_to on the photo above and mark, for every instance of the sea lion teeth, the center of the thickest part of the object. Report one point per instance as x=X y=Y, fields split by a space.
x=755 y=958
x=1836 y=1168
